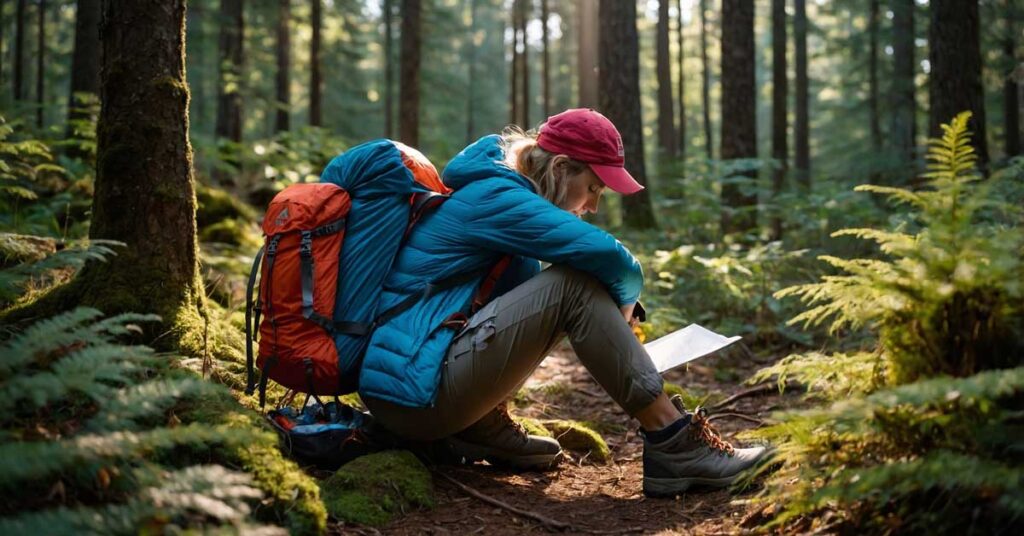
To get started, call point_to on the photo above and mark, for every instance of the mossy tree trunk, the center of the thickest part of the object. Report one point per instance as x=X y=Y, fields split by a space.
x=739 y=117
x=145 y=195
x=85 y=60
x=619 y=93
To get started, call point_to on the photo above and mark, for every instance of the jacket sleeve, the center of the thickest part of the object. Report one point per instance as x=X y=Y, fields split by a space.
x=508 y=218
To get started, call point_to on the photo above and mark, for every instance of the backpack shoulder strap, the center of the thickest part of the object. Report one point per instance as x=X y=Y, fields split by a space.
x=250 y=326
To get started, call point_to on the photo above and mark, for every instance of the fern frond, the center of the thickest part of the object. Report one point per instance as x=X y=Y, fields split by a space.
x=46 y=336
x=147 y=401
x=38 y=460
x=897 y=194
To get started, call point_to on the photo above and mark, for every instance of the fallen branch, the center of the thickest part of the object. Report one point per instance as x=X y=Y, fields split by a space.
x=755 y=391
x=546 y=521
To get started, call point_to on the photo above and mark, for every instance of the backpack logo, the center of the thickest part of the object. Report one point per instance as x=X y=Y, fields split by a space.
x=281 y=217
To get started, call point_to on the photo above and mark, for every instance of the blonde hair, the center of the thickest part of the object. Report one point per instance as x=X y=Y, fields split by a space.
x=524 y=156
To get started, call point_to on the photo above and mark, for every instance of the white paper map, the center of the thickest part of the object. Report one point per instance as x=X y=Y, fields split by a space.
x=685 y=345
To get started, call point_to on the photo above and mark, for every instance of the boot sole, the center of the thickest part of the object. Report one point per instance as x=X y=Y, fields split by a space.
x=670 y=487
x=474 y=453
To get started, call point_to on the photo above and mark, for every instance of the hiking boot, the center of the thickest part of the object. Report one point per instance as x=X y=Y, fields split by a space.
x=502 y=441
x=695 y=456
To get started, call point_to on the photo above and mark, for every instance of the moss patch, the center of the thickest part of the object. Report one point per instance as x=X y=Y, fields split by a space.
x=533 y=426
x=579 y=438
x=215 y=206
x=293 y=498
x=373 y=489
x=232 y=231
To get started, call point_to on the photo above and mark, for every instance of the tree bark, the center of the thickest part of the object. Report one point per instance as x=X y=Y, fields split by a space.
x=524 y=65
x=409 y=95
x=801 y=131
x=40 y=63
x=471 y=46
x=1011 y=110
x=874 y=121
x=903 y=122
x=666 y=111
x=146 y=202
x=586 y=54
x=739 y=113
x=513 y=76
x=706 y=80
x=954 y=54
x=283 y=80
x=546 y=61
x=619 y=91
x=780 y=117
x=315 y=80
x=85 y=59
x=682 y=81
x=19 y=52
x=230 y=48
x=389 y=97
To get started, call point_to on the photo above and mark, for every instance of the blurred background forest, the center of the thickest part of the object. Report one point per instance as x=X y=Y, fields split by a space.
x=752 y=122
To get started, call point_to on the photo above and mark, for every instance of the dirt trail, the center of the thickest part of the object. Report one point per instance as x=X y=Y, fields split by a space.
x=593 y=498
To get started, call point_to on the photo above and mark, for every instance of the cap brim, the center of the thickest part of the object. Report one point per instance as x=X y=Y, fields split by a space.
x=617 y=178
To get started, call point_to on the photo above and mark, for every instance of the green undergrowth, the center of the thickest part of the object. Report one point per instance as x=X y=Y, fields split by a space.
x=374 y=489
x=920 y=431
x=575 y=436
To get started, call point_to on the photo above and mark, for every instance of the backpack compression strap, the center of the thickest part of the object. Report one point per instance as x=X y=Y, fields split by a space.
x=250 y=327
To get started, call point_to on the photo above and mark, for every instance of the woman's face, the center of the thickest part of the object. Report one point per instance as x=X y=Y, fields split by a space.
x=584 y=193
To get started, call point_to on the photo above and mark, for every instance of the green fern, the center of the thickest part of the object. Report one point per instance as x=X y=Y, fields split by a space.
x=924 y=431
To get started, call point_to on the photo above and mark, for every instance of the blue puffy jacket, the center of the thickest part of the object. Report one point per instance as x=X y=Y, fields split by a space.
x=493 y=211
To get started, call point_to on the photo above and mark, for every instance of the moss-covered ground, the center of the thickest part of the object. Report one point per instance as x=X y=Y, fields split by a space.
x=374 y=489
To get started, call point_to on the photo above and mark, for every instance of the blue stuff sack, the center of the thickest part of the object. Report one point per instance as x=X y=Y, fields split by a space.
x=325 y=436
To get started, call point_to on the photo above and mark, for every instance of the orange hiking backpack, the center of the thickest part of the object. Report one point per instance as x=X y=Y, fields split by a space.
x=300 y=268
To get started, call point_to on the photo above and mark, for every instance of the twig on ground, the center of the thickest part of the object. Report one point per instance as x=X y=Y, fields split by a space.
x=740 y=416
x=755 y=391
x=544 y=520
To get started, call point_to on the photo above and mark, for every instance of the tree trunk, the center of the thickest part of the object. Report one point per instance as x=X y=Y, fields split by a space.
x=873 y=121
x=524 y=65
x=586 y=54
x=85 y=59
x=666 y=111
x=801 y=131
x=471 y=46
x=1011 y=111
x=315 y=81
x=40 y=63
x=19 y=51
x=546 y=61
x=955 y=81
x=682 y=81
x=903 y=123
x=513 y=94
x=619 y=91
x=229 y=98
x=739 y=112
x=409 y=78
x=706 y=80
x=147 y=203
x=389 y=97
x=283 y=79
x=780 y=117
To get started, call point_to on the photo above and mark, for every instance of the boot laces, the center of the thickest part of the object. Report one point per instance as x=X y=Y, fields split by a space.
x=707 y=433
x=506 y=418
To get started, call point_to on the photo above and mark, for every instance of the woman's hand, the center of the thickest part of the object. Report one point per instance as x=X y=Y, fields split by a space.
x=627 y=314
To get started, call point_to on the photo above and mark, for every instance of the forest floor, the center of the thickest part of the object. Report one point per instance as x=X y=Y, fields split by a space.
x=594 y=498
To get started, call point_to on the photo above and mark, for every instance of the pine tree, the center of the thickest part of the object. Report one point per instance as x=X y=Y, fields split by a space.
x=85 y=59
x=903 y=123
x=780 y=117
x=282 y=79
x=739 y=117
x=409 y=82
x=801 y=127
x=315 y=81
x=666 y=112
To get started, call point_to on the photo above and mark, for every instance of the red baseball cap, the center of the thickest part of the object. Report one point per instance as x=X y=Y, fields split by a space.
x=585 y=135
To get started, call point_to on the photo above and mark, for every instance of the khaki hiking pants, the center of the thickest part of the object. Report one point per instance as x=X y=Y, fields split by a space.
x=506 y=340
